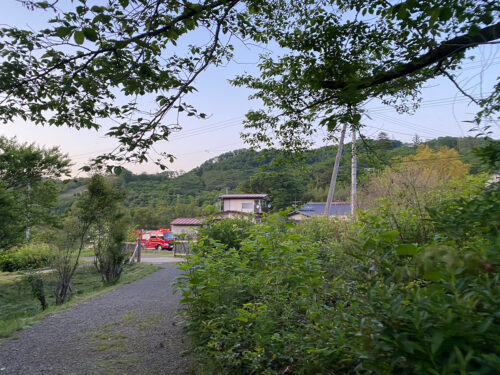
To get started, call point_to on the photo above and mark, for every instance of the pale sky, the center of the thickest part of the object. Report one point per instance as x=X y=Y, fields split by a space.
x=443 y=110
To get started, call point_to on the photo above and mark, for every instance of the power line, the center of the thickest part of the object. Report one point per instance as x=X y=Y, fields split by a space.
x=427 y=103
x=410 y=125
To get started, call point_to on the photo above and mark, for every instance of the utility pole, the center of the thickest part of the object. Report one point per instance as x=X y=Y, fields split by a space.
x=333 y=181
x=354 y=167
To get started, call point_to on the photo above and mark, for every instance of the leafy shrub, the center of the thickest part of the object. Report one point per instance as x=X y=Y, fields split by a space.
x=250 y=309
x=29 y=256
x=372 y=296
x=227 y=231
x=37 y=286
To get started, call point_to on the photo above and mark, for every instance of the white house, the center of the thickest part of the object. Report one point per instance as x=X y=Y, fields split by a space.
x=246 y=203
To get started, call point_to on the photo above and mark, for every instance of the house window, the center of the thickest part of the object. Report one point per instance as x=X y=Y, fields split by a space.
x=247 y=206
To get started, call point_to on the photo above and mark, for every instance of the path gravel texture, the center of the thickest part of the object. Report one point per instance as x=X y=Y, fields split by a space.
x=133 y=329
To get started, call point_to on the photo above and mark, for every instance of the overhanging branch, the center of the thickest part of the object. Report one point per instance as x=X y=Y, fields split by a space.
x=444 y=50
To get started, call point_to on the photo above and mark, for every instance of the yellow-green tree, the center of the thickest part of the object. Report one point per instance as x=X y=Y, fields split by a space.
x=405 y=181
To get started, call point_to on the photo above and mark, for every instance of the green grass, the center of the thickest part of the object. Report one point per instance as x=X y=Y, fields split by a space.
x=160 y=253
x=19 y=309
x=115 y=350
x=87 y=253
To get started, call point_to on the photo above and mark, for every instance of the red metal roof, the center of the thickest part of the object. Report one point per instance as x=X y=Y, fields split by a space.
x=186 y=221
x=244 y=196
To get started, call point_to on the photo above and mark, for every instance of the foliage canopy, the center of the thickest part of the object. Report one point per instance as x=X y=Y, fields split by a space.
x=95 y=62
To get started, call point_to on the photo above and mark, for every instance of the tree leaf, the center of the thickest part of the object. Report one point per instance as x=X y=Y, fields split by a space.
x=437 y=340
x=79 y=37
x=407 y=249
x=90 y=34
x=62 y=31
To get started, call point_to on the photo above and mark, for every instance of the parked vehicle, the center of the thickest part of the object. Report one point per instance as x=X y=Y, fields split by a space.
x=161 y=239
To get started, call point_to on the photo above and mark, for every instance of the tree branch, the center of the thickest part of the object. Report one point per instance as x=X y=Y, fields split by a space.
x=444 y=50
x=187 y=14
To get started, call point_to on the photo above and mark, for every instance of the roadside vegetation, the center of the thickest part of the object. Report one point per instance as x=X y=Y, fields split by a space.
x=409 y=286
x=19 y=308
x=41 y=250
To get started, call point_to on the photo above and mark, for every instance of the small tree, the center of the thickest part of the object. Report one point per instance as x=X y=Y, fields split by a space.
x=37 y=285
x=95 y=212
x=109 y=230
x=70 y=242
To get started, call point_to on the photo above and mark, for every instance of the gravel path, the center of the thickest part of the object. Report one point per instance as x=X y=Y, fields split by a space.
x=130 y=330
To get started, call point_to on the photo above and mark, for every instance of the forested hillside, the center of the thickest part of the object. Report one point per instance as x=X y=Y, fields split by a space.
x=155 y=199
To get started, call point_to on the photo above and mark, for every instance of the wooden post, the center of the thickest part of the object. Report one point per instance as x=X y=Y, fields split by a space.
x=139 y=246
x=137 y=250
x=333 y=181
x=354 y=165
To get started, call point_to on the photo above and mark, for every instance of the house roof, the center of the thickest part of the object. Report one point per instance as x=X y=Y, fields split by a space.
x=186 y=221
x=337 y=208
x=244 y=196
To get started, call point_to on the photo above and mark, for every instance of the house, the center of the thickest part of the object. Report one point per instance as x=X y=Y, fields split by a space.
x=185 y=225
x=338 y=209
x=248 y=206
x=244 y=203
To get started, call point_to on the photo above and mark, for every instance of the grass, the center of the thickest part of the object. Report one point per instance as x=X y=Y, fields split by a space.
x=87 y=253
x=160 y=253
x=19 y=309
x=115 y=347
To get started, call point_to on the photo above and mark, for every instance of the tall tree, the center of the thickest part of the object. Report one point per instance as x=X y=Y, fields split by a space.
x=27 y=174
x=342 y=52
x=11 y=225
x=76 y=71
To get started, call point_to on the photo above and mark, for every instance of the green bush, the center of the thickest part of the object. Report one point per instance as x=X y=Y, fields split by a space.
x=29 y=256
x=379 y=295
x=229 y=232
x=250 y=309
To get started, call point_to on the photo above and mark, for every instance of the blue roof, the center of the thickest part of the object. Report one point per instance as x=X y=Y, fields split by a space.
x=318 y=208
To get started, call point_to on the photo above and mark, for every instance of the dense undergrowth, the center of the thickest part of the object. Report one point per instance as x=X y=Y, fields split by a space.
x=404 y=289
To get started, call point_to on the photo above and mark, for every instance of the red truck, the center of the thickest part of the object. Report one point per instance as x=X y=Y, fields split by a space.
x=161 y=239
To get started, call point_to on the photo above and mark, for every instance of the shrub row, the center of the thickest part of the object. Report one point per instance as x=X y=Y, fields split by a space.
x=379 y=295
x=29 y=256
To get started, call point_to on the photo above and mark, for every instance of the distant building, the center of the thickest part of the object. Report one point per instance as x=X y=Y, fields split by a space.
x=248 y=206
x=337 y=208
x=185 y=225
x=245 y=203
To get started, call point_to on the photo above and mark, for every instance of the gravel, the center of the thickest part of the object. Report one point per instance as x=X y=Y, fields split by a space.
x=133 y=329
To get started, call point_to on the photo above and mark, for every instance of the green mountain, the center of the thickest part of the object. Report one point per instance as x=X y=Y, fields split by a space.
x=288 y=179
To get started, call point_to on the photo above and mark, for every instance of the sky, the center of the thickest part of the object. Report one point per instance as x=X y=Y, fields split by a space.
x=443 y=110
